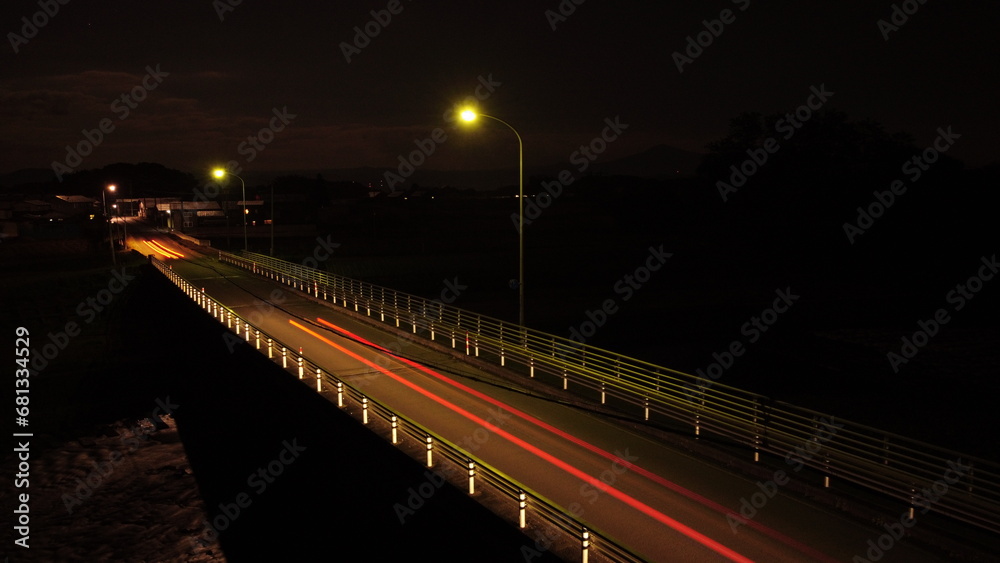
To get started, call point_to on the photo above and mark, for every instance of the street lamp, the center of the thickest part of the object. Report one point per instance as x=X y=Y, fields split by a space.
x=221 y=172
x=107 y=217
x=471 y=115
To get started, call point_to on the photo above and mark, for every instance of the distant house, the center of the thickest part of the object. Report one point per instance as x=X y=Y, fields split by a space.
x=70 y=205
x=32 y=207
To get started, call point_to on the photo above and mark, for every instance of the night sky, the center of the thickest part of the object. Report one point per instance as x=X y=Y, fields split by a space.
x=225 y=70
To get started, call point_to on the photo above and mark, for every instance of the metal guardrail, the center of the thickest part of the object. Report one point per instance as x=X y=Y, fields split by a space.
x=503 y=495
x=906 y=470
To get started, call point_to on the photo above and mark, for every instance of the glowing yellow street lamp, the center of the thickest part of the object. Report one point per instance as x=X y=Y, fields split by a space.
x=470 y=115
x=221 y=173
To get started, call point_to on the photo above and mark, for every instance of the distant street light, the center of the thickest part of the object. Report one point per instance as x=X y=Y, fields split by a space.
x=471 y=115
x=220 y=173
x=107 y=217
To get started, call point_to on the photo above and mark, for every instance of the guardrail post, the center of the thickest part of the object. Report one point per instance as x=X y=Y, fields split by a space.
x=301 y=372
x=603 y=392
x=585 y=547
x=697 y=418
x=256 y=334
x=284 y=357
x=246 y=331
x=340 y=394
x=756 y=435
x=645 y=407
x=395 y=429
x=319 y=380
x=229 y=319
x=364 y=410
x=238 y=326
x=270 y=349
x=522 y=508
x=466 y=343
x=472 y=477
x=502 y=359
x=430 y=451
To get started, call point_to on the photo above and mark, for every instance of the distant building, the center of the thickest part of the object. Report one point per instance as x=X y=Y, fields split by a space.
x=70 y=205
x=187 y=215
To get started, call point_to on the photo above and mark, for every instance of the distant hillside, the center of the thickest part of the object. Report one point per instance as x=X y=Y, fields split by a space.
x=661 y=161
x=26 y=176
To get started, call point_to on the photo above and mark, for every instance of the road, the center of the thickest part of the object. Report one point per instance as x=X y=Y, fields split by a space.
x=660 y=502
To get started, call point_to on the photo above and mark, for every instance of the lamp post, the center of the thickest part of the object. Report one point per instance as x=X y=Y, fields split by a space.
x=471 y=115
x=107 y=217
x=221 y=172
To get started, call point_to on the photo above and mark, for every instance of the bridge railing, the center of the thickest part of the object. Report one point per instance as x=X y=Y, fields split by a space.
x=912 y=472
x=505 y=496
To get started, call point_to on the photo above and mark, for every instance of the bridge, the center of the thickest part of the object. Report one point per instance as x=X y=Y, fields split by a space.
x=595 y=456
